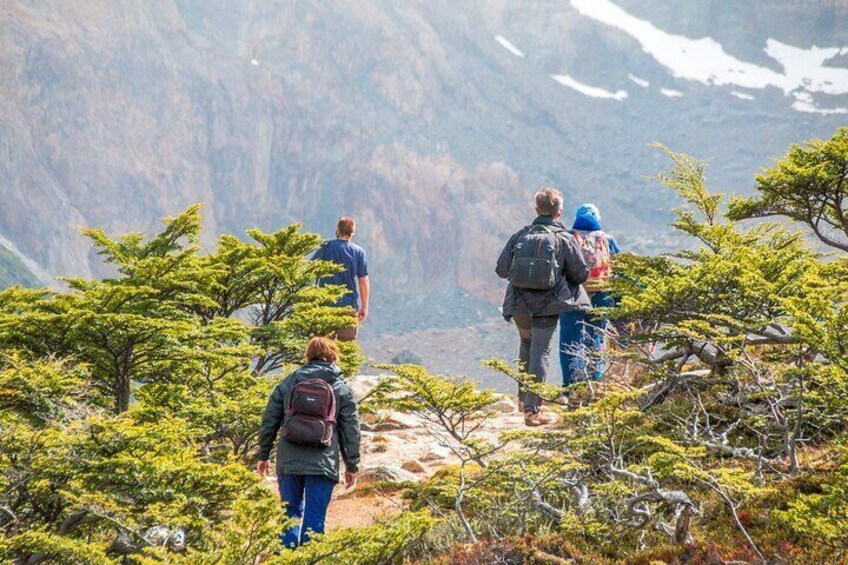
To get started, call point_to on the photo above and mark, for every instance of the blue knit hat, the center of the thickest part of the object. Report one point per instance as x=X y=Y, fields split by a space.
x=587 y=218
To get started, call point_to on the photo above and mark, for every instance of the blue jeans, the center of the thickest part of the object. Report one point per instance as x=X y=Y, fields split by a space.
x=581 y=336
x=307 y=498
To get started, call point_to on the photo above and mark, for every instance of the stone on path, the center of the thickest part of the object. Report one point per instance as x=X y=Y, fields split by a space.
x=414 y=466
x=435 y=454
x=505 y=406
x=386 y=473
x=396 y=421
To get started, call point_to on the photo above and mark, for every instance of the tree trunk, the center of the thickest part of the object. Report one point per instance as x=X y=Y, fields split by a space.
x=122 y=395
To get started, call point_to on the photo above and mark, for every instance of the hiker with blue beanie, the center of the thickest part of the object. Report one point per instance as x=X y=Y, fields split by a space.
x=582 y=334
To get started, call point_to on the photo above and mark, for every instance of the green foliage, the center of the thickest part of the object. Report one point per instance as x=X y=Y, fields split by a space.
x=808 y=185
x=57 y=549
x=823 y=516
x=734 y=287
x=41 y=391
x=382 y=544
x=130 y=406
x=455 y=402
x=752 y=328
x=455 y=406
x=250 y=535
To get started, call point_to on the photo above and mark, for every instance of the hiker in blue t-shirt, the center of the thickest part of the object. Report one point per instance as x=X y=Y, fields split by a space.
x=354 y=276
x=582 y=334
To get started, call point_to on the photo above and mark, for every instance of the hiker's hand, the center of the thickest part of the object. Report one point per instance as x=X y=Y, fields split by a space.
x=263 y=468
x=362 y=314
x=350 y=479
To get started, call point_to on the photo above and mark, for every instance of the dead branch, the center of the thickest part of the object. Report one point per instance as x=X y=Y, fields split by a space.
x=554 y=514
x=581 y=495
x=675 y=500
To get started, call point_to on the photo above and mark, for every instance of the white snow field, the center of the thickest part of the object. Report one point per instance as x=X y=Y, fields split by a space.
x=704 y=60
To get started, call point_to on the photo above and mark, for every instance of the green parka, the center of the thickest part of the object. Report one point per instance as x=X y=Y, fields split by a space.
x=294 y=459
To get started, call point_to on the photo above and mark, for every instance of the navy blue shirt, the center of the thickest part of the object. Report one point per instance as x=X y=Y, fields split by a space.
x=352 y=257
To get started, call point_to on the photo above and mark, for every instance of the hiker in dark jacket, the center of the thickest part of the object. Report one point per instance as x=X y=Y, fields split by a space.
x=308 y=473
x=535 y=305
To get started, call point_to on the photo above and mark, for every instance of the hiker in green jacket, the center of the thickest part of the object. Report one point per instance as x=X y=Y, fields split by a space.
x=319 y=418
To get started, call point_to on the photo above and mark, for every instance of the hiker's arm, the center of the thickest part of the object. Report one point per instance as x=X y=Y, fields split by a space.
x=272 y=419
x=364 y=284
x=575 y=269
x=505 y=259
x=613 y=245
x=349 y=434
x=364 y=293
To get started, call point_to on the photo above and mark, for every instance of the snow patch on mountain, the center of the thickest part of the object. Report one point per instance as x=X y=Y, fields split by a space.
x=804 y=103
x=671 y=93
x=587 y=90
x=509 y=46
x=805 y=68
x=704 y=60
x=640 y=81
x=741 y=95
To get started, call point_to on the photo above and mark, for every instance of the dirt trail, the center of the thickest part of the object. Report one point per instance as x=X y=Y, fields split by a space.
x=403 y=445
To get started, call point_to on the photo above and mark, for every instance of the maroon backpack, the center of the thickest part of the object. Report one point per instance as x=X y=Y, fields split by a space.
x=311 y=413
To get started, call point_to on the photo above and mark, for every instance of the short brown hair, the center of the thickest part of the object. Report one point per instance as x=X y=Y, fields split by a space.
x=322 y=349
x=548 y=201
x=346 y=226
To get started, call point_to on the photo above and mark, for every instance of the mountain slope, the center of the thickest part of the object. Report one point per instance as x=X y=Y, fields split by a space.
x=431 y=122
x=14 y=272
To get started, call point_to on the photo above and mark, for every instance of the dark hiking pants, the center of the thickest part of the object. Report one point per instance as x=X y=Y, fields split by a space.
x=536 y=334
x=307 y=498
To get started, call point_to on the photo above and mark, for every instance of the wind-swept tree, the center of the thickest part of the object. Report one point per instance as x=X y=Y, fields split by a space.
x=808 y=185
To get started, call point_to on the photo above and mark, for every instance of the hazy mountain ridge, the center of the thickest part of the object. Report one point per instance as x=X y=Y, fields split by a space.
x=415 y=119
x=13 y=271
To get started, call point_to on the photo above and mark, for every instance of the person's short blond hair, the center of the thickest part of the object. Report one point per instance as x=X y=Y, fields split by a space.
x=322 y=349
x=548 y=201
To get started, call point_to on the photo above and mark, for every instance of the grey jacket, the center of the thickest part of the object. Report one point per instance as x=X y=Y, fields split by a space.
x=568 y=296
x=293 y=459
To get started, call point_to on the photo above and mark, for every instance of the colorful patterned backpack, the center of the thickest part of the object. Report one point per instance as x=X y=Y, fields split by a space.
x=595 y=248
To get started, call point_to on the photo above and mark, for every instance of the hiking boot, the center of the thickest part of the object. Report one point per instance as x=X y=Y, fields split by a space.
x=561 y=401
x=534 y=419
